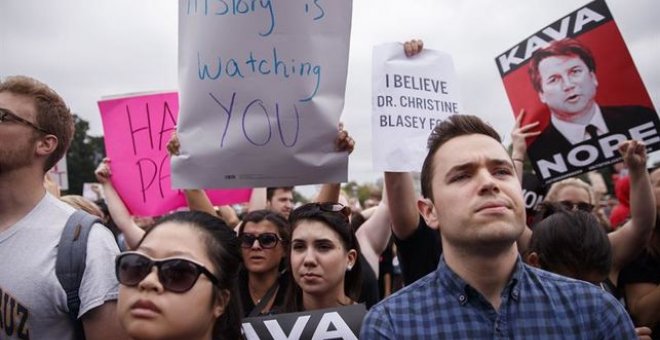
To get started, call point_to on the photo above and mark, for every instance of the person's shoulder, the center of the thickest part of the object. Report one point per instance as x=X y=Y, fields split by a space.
x=579 y=292
x=634 y=112
x=549 y=136
x=412 y=296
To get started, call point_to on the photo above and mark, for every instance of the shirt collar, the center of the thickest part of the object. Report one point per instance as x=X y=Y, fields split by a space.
x=574 y=132
x=461 y=290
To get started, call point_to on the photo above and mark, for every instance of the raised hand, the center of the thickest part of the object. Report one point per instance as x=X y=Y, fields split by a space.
x=413 y=47
x=173 y=145
x=102 y=171
x=344 y=142
x=634 y=154
x=520 y=134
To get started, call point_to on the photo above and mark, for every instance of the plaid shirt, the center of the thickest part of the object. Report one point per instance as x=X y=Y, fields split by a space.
x=535 y=304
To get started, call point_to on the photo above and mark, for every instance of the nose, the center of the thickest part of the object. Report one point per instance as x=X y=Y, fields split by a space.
x=256 y=244
x=488 y=184
x=567 y=83
x=310 y=258
x=151 y=281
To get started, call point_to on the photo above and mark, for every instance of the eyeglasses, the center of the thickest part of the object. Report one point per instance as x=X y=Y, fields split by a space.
x=175 y=274
x=329 y=207
x=266 y=240
x=6 y=115
x=580 y=206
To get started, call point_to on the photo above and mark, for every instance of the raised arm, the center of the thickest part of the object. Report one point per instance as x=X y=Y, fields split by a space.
x=519 y=143
x=643 y=300
x=629 y=240
x=199 y=201
x=344 y=143
x=402 y=203
x=196 y=198
x=257 y=199
x=116 y=207
x=374 y=234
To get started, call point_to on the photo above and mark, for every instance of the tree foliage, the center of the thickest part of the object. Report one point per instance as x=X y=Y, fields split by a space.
x=85 y=153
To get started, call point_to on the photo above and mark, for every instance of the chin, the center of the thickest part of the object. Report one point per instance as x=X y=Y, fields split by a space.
x=138 y=330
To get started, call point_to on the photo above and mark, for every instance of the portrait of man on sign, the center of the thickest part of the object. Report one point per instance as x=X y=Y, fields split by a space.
x=577 y=94
x=564 y=76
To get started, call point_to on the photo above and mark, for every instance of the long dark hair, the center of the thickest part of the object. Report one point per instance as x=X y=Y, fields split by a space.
x=223 y=250
x=338 y=222
x=571 y=240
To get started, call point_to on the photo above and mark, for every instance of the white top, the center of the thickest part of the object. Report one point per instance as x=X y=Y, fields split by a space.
x=35 y=301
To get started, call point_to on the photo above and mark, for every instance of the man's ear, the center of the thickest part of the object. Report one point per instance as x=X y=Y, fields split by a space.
x=542 y=97
x=532 y=259
x=593 y=75
x=221 y=302
x=428 y=212
x=46 y=145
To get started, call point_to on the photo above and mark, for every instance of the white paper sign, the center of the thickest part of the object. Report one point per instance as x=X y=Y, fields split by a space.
x=261 y=91
x=59 y=174
x=93 y=191
x=410 y=97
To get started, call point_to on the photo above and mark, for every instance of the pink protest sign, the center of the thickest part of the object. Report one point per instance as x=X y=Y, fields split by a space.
x=136 y=130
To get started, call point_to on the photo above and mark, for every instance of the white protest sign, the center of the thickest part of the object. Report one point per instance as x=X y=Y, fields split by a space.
x=410 y=97
x=93 y=191
x=261 y=91
x=59 y=174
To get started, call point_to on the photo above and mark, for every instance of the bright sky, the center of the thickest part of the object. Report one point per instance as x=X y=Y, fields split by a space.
x=86 y=49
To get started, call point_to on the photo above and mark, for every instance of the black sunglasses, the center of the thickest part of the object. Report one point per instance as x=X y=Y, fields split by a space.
x=327 y=206
x=580 y=206
x=266 y=240
x=7 y=115
x=175 y=274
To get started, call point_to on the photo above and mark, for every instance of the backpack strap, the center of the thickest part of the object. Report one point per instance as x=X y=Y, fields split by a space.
x=70 y=263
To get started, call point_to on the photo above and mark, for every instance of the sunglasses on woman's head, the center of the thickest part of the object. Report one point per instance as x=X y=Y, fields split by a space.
x=580 y=206
x=177 y=275
x=266 y=240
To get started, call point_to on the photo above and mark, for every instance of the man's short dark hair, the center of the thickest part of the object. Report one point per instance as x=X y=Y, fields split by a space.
x=563 y=47
x=52 y=114
x=571 y=242
x=450 y=128
x=270 y=191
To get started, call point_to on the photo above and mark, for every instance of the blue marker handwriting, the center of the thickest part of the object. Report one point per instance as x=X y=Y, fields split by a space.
x=272 y=65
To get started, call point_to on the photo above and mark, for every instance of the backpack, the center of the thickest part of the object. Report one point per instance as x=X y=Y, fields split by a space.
x=70 y=262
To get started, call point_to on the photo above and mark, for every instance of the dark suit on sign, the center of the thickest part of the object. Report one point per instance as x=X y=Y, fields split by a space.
x=619 y=119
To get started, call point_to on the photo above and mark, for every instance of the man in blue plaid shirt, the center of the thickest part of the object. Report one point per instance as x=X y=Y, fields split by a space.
x=481 y=288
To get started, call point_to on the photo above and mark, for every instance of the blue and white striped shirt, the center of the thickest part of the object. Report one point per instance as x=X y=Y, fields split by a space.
x=535 y=304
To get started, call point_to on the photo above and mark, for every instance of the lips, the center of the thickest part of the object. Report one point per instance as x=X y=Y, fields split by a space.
x=494 y=206
x=144 y=309
x=310 y=276
x=573 y=98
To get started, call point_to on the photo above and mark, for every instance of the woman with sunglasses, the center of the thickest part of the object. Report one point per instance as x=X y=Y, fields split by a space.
x=180 y=282
x=322 y=258
x=264 y=236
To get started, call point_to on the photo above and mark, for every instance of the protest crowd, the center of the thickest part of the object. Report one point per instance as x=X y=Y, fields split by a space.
x=461 y=260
